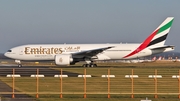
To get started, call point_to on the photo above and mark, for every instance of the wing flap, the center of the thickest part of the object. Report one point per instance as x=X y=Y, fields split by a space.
x=90 y=53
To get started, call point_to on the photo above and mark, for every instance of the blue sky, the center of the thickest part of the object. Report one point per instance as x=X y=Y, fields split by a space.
x=84 y=21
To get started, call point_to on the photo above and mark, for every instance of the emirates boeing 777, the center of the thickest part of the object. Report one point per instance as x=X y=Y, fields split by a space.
x=69 y=54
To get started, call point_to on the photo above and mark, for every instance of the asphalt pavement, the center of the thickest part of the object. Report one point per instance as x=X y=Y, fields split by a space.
x=26 y=71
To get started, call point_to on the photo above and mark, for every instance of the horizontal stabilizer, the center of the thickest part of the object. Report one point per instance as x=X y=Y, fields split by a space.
x=163 y=47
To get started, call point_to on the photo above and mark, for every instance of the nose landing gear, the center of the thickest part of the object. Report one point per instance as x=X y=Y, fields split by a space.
x=19 y=63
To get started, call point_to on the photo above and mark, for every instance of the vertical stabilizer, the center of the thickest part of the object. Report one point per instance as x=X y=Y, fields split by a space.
x=157 y=38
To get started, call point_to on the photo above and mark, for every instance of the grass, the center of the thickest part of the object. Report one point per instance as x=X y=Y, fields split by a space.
x=97 y=87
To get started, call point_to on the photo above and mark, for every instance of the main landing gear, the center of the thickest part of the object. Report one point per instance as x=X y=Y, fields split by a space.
x=89 y=65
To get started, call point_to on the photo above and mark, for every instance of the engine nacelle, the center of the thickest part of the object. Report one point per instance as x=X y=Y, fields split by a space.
x=64 y=59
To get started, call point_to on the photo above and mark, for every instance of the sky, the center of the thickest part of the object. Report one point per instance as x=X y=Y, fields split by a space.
x=85 y=21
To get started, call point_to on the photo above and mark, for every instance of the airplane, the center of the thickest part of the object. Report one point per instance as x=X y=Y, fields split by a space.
x=69 y=54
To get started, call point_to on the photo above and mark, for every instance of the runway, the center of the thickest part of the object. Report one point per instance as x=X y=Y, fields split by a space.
x=27 y=71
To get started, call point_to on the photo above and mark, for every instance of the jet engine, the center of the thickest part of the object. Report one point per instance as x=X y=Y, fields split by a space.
x=64 y=59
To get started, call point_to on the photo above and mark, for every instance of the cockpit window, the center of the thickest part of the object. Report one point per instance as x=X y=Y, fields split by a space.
x=9 y=51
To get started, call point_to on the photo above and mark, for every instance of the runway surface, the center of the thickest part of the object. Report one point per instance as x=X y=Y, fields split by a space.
x=26 y=71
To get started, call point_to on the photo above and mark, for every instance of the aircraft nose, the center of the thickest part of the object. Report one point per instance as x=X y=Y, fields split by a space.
x=6 y=54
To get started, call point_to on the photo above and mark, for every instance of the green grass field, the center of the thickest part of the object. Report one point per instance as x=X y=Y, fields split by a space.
x=97 y=87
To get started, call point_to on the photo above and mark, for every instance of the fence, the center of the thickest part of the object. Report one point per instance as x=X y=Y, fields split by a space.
x=93 y=81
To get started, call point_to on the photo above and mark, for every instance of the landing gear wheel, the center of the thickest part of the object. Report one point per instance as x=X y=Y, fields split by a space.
x=89 y=65
x=19 y=65
x=85 y=65
x=93 y=65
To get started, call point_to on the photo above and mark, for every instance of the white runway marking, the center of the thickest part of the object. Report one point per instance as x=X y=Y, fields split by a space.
x=8 y=64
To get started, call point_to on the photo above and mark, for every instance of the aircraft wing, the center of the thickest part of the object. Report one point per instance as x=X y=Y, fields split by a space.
x=163 y=47
x=90 y=53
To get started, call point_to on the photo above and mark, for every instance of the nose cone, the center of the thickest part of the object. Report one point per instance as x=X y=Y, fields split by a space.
x=6 y=54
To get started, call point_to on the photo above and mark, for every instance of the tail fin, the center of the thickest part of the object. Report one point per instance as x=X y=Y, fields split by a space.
x=154 y=58
x=160 y=58
x=157 y=38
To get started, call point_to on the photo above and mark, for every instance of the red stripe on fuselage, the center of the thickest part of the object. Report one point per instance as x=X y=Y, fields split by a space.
x=143 y=45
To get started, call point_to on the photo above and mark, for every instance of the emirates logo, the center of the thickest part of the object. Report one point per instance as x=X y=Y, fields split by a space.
x=60 y=60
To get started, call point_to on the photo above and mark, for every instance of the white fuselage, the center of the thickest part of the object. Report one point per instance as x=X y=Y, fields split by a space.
x=48 y=51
